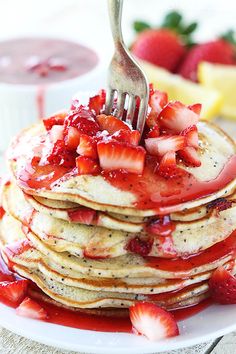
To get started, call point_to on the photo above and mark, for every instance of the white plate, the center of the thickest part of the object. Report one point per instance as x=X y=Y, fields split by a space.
x=209 y=324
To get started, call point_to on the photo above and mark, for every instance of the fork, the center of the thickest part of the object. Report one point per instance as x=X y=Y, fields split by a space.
x=126 y=80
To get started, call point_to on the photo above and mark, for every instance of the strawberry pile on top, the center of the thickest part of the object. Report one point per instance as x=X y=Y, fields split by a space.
x=86 y=139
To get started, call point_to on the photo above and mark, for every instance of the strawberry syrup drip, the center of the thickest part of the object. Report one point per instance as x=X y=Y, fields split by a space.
x=153 y=191
x=40 y=101
x=184 y=265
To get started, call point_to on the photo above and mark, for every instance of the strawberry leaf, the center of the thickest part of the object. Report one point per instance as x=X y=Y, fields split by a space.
x=229 y=36
x=172 y=20
x=140 y=26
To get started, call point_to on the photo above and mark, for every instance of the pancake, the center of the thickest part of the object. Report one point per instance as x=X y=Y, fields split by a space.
x=131 y=265
x=22 y=253
x=68 y=211
x=93 y=241
x=100 y=194
x=75 y=296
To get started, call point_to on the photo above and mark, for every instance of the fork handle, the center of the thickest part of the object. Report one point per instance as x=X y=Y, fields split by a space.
x=115 y=14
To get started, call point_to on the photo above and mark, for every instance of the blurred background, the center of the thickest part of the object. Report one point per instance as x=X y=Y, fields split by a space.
x=86 y=22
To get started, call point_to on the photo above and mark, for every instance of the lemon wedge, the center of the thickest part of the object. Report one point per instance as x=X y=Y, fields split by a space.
x=184 y=90
x=222 y=78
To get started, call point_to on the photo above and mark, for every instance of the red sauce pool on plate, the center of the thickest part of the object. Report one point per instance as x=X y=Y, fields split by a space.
x=39 y=61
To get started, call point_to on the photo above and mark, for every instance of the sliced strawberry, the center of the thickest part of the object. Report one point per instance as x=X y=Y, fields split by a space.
x=154 y=132
x=82 y=215
x=196 y=108
x=87 y=166
x=114 y=155
x=127 y=136
x=152 y=321
x=57 y=119
x=222 y=286
x=158 y=100
x=72 y=138
x=13 y=292
x=168 y=167
x=84 y=120
x=161 y=145
x=87 y=147
x=111 y=124
x=191 y=136
x=31 y=309
x=96 y=103
x=176 y=117
x=56 y=133
x=190 y=156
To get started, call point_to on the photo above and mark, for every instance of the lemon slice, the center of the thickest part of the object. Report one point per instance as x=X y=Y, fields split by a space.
x=184 y=90
x=222 y=78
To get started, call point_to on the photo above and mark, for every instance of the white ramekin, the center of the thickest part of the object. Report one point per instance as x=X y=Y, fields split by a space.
x=20 y=104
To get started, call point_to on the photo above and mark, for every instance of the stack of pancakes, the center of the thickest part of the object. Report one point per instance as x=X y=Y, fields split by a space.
x=88 y=263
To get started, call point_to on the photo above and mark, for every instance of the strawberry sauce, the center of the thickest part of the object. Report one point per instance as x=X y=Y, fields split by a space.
x=36 y=61
x=184 y=265
x=156 y=192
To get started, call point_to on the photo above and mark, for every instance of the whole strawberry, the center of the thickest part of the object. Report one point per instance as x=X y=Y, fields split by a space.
x=219 y=51
x=164 y=46
x=160 y=47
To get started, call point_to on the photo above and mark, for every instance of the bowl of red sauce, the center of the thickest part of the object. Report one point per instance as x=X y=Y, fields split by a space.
x=38 y=76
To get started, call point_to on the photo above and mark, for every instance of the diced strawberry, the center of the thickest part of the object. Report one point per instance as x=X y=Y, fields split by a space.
x=222 y=286
x=191 y=136
x=196 y=108
x=31 y=309
x=56 y=133
x=141 y=247
x=154 y=132
x=163 y=226
x=152 y=119
x=158 y=100
x=82 y=215
x=176 y=117
x=111 y=123
x=2 y=212
x=161 y=145
x=96 y=103
x=220 y=204
x=168 y=167
x=190 y=156
x=57 y=119
x=114 y=155
x=127 y=136
x=74 y=104
x=152 y=321
x=5 y=273
x=87 y=147
x=61 y=156
x=84 y=120
x=13 y=292
x=87 y=166
x=72 y=138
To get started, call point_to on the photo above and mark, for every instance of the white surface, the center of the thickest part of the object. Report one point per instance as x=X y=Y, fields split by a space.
x=209 y=324
x=87 y=20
